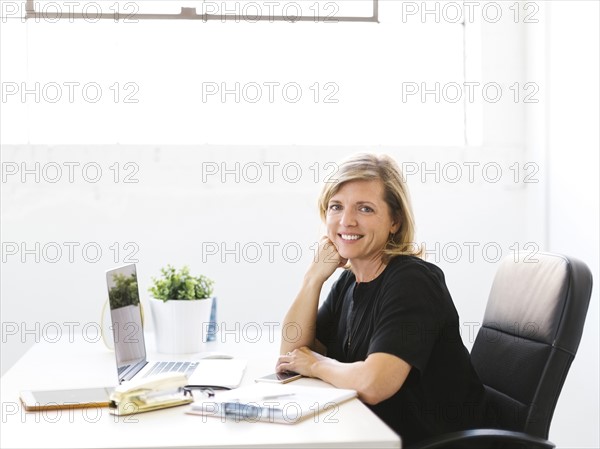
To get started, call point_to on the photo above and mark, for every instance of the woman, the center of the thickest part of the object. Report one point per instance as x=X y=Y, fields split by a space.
x=388 y=328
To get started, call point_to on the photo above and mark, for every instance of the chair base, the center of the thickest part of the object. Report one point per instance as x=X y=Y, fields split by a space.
x=484 y=439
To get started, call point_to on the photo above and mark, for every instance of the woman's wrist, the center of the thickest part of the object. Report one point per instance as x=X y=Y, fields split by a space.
x=319 y=366
x=315 y=369
x=312 y=280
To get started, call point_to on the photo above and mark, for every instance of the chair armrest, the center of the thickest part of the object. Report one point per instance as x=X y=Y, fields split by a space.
x=484 y=438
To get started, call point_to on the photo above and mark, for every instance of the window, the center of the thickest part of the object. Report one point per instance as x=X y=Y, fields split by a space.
x=235 y=82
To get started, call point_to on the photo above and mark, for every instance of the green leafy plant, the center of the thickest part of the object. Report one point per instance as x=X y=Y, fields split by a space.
x=124 y=292
x=180 y=284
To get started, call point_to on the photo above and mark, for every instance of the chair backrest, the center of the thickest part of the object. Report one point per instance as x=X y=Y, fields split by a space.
x=529 y=336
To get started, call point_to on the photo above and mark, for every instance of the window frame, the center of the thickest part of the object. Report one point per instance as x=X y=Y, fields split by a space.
x=189 y=13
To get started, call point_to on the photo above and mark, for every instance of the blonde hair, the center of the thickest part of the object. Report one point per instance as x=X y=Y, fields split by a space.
x=369 y=167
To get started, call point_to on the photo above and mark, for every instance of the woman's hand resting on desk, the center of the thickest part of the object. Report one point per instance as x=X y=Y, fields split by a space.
x=301 y=361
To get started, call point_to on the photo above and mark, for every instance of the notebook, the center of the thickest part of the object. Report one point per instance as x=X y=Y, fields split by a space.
x=286 y=404
x=130 y=346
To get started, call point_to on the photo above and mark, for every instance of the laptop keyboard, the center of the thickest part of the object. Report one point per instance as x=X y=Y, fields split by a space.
x=170 y=367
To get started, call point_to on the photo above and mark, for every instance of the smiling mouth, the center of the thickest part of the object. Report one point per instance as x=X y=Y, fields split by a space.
x=350 y=237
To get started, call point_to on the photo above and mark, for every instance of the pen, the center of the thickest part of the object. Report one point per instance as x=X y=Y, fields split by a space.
x=277 y=396
x=263 y=398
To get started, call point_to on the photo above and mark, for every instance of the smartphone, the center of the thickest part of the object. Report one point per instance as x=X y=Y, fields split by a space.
x=60 y=399
x=280 y=378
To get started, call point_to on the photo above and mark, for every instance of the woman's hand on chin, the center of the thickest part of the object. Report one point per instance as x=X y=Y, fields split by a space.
x=326 y=261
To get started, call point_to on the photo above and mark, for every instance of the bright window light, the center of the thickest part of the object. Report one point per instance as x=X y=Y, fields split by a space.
x=242 y=83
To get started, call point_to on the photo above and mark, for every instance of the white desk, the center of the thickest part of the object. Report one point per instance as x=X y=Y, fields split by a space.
x=85 y=364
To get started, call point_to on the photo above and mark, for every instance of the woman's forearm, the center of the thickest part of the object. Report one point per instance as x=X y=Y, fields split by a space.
x=351 y=376
x=300 y=323
x=375 y=379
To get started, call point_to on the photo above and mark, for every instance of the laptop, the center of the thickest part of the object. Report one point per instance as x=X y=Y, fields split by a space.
x=130 y=346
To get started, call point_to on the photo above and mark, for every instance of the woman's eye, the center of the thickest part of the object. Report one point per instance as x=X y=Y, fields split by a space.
x=366 y=209
x=334 y=207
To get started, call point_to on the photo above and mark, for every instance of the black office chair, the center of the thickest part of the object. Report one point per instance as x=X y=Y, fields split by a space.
x=530 y=334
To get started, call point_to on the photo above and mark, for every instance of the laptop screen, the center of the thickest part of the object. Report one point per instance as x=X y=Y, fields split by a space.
x=126 y=317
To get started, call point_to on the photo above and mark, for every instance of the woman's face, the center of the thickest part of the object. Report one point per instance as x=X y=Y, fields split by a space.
x=358 y=220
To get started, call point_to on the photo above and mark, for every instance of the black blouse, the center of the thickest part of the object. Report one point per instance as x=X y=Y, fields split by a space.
x=408 y=312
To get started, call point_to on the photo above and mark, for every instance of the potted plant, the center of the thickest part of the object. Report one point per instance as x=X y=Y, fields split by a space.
x=181 y=308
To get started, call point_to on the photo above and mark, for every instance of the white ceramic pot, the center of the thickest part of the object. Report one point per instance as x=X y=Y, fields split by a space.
x=180 y=326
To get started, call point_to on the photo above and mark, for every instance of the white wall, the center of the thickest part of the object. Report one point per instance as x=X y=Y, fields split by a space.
x=573 y=202
x=171 y=214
